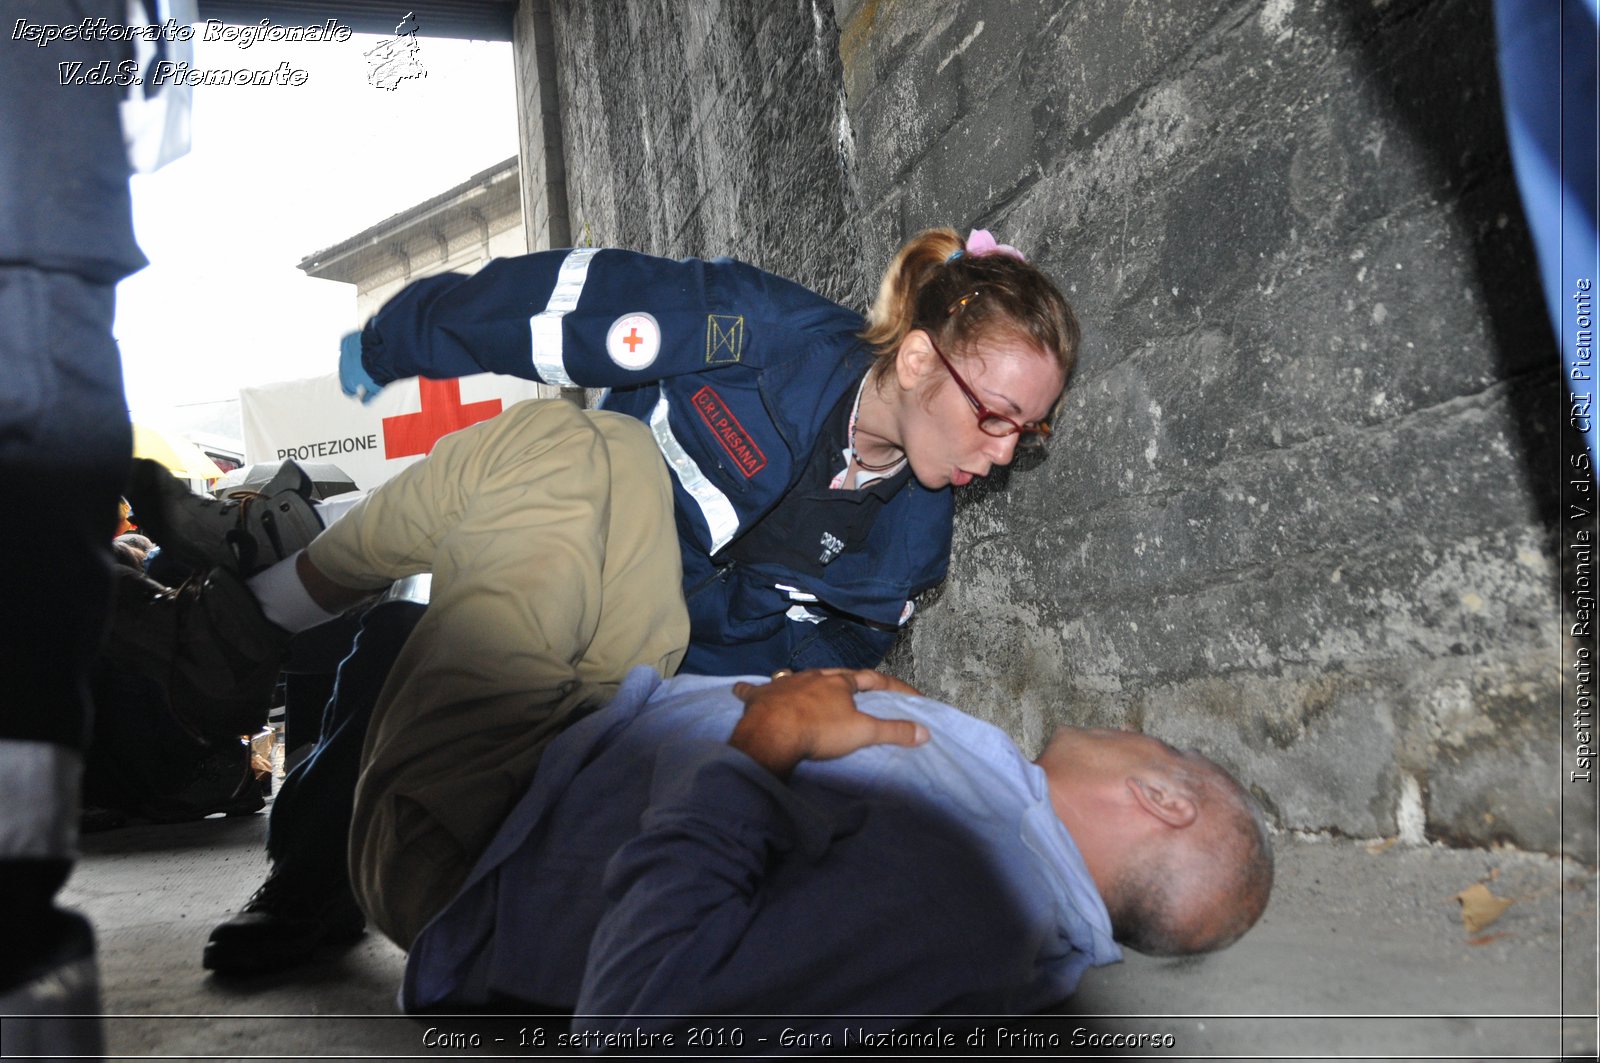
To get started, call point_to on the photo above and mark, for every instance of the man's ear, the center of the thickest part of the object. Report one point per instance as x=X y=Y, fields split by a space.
x=1159 y=798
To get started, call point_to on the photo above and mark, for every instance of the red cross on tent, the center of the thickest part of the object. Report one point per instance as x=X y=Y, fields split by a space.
x=441 y=414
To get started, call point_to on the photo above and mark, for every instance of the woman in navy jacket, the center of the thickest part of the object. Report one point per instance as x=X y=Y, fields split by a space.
x=812 y=452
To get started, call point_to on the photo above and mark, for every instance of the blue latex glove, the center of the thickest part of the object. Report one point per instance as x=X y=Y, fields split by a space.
x=353 y=376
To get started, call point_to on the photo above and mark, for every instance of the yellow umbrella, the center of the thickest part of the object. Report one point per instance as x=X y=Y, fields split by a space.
x=180 y=456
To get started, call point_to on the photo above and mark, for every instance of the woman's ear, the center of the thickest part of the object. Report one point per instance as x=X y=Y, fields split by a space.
x=1157 y=797
x=914 y=361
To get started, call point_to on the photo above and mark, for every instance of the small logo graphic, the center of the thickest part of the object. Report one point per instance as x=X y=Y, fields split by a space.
x=394 y=59
x=724 y=338
x=831 y=546
x=729 y=432
x=634 y=340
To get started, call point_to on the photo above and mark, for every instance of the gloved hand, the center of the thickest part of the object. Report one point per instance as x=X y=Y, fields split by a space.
x=353 y=376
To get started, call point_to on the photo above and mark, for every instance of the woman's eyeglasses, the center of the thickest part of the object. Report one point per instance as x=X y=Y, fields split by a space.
x=1033 y=433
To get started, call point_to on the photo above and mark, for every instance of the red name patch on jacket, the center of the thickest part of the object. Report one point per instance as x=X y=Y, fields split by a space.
x=729 y=432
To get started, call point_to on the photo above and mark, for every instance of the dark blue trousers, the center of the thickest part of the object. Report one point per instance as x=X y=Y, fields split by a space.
x=308 y=834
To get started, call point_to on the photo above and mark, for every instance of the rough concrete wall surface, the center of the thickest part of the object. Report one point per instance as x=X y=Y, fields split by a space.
x=708 y=128
x=540 y=156
x=1300 y=509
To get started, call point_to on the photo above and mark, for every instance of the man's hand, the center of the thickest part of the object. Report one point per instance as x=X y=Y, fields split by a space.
x=813 y=716
x=867 y=679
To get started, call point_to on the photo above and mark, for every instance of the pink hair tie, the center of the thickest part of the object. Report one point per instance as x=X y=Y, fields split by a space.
x=981 y=242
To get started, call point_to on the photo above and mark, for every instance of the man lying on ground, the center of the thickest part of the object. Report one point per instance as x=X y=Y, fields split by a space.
x=819 y=853
x=533 y=832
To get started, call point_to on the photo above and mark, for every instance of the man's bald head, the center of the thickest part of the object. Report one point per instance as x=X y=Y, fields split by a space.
x=1179 y=850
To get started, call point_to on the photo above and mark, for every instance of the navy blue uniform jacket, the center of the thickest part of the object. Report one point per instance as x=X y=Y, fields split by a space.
x=736 y=372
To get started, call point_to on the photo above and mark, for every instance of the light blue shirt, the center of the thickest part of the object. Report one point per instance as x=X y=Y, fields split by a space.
x=653 y=870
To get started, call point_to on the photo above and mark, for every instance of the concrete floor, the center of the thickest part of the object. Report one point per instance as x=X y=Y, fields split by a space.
x=1361 y=953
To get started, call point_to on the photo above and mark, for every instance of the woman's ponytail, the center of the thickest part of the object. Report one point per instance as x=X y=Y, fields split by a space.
x=936 y=269
x=894 y=311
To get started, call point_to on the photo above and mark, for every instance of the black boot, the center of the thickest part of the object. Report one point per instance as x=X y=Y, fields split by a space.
x=50 y=996
x=283 y=926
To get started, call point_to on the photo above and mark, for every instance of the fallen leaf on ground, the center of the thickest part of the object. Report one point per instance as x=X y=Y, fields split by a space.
x=1479 y=907
x=1376 y=847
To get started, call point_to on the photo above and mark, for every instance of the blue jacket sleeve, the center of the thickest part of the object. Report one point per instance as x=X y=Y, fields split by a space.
x=744 y=896
x=586 y=317
x=684 y=892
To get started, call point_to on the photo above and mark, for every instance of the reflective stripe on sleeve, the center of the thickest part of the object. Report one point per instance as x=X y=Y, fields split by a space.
x=39 y=783
x=718 y=512
x=545 y=326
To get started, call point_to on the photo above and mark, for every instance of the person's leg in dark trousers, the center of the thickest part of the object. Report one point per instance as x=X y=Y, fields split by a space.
x=317 y=795
x=66 y=238
x=306 y=901
x=309 y=673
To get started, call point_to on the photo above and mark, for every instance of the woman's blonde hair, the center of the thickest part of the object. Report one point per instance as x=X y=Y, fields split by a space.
x=924 y=284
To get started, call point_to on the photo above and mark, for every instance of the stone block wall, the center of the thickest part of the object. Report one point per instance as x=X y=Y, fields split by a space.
x=1300 y=511
x=708 y=129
